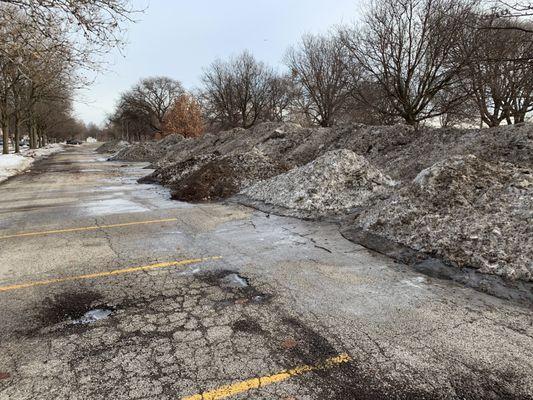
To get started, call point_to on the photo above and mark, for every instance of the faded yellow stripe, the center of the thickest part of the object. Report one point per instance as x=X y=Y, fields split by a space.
x=106 y=273
x=256 y=383
x=87 y=228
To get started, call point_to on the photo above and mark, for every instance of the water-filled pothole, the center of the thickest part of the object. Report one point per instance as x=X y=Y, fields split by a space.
x=92 y=316
x=234 y=280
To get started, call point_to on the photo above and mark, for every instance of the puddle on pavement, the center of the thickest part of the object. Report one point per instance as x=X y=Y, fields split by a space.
x=112 y=206
x=234 y=280
x=92 y=316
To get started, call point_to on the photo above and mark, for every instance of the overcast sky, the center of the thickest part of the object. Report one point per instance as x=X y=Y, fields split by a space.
x=177 y=38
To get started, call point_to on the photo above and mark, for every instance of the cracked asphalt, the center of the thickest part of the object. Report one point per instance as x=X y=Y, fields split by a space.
x=205 y=298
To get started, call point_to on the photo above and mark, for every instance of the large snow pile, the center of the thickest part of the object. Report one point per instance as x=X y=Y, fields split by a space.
x=225 y=176
x=112 y=146
x=468 y=211
x=14 y=164
x=337 y=181
x=145 y=151
x=175 y=171
x=150 y=151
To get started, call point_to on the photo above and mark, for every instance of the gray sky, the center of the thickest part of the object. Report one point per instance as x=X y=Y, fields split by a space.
x=178 y=38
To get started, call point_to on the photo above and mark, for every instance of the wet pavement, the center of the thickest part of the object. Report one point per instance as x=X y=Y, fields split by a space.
x=109 y=290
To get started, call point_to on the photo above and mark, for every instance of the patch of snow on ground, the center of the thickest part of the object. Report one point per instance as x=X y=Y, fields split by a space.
x=14 y=164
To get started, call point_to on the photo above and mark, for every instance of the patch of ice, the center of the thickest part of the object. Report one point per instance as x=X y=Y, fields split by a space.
x=234 y=280
x=92 y=316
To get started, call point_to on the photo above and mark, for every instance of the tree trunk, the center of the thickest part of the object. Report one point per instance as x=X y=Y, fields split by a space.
x=5 y=136
x=39 y=138
x=17 y=134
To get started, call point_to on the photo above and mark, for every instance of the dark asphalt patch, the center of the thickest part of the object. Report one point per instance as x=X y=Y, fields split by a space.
x=312 y=348
x=244 y=294
x=247 y=326
x=68 y=306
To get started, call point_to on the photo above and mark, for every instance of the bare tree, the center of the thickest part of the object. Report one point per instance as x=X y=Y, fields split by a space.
x=406 y=47
x=241 y=92
x=96 y=24
x=141 y=111
x=499 y=70
x=318 y=66
x=43 y=46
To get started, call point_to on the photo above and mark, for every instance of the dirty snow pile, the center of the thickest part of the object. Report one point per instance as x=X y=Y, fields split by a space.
x=14 y=164
x=145 y=151
x=468 y=211
x=461 y=194
x=223 y=176
x=337 y=181
x=112 y=146
x=150 y=151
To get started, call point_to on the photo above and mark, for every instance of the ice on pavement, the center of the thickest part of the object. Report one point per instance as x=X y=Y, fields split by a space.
x=92 y=316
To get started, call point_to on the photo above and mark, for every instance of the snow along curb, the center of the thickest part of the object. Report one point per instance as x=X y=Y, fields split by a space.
x=14 y=164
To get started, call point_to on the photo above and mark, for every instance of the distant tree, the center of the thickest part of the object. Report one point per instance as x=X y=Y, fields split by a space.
x=141 y=110
x=318 y=67
x=241 y=92
x=406 y=47
x=153 y=97
x=184 y=117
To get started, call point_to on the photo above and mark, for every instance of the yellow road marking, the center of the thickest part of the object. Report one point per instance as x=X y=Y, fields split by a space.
x=88 y=228
x=256 y=383
x=107 y=273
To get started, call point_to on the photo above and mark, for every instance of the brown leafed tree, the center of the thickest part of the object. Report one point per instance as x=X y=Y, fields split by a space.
x=184 y=117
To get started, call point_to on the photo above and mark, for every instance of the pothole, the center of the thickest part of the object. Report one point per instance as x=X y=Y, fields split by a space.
x=234 y=280
x=92 y=316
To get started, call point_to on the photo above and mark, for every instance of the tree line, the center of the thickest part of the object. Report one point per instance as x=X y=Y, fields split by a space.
x=47 y=50
x=409 y=61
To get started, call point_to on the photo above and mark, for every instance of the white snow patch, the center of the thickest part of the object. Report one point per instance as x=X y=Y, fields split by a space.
x=14 y=164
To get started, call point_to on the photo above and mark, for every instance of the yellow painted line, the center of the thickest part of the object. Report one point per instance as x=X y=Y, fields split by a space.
x=256 y=383
x=88 y=228
x=107 y=273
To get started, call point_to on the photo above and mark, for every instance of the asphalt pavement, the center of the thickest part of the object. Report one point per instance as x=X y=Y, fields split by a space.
x=110 y=290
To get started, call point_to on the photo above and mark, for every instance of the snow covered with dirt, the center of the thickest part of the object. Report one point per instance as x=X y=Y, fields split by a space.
x=112 y=146
x=337 y=181
x=14 y=164
x=459 y=194
x=463 y=209
x=224 y=176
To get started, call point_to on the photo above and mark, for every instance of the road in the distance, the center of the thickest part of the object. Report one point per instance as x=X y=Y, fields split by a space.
x=213 y=301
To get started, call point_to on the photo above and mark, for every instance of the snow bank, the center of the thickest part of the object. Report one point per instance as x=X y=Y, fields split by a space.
x=337 y=181
x=14 y=164
x=465 y=210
